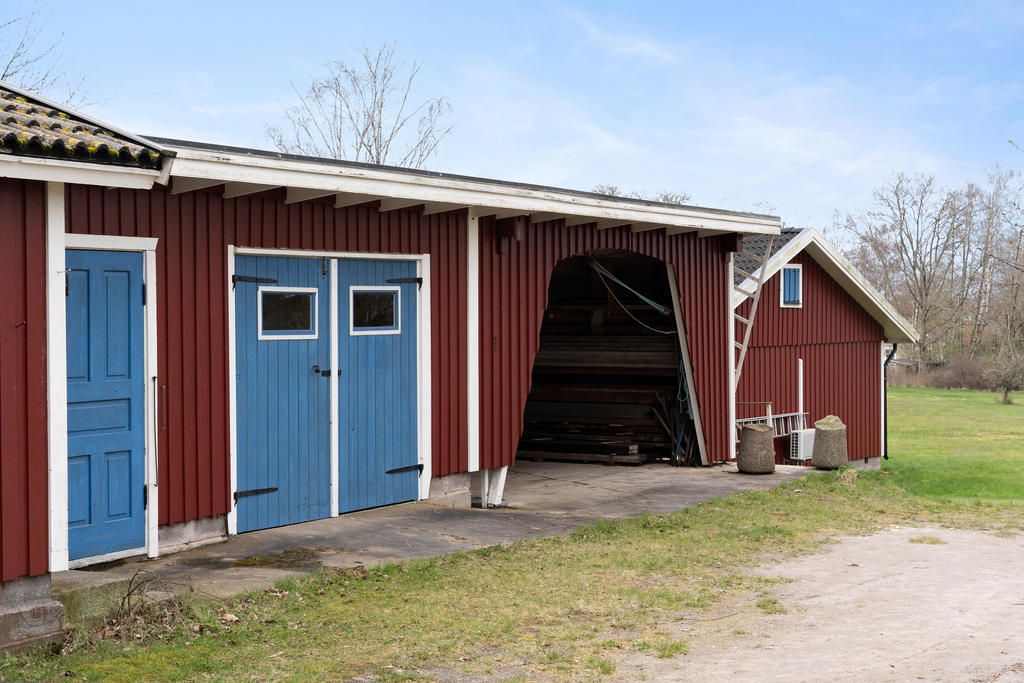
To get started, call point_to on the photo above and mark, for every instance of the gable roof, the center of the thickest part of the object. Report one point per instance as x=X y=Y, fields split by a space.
x=792 y=242
x=756 y=244
x=33 y=126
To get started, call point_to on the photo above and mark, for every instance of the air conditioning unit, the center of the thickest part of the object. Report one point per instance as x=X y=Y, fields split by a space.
x=801 y=444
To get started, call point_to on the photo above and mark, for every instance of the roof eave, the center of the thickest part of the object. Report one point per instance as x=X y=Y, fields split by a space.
x=254 y=172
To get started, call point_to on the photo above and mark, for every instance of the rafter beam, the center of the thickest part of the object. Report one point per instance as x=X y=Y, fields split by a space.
x=679 y=229
x=182 y=185
x=343 y=199
x=430 y=208
x=544 y=217
x=296 y=195
x=646 y=227
x=606 y=225
x=232 y=190
x=578 y=220
x=500 y=214
x=393 y=204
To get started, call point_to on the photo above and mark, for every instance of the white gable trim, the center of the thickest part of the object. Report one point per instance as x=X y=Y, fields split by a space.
x=894 y=325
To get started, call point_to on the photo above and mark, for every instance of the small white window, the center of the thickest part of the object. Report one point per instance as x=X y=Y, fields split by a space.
x=287 y=313
x=791 y=289
x=375 y=310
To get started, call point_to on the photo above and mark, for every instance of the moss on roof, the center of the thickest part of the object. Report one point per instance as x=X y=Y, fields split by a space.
x=30 y=128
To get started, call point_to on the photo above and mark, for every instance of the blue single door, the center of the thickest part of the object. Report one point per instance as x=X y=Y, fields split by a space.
x=106 y=402
x=378 y=453
x=282 y=354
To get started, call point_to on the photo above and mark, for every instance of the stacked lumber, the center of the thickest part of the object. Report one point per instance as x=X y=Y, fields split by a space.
x=595 y=398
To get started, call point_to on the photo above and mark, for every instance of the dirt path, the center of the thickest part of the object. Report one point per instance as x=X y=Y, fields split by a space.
x=877 y=608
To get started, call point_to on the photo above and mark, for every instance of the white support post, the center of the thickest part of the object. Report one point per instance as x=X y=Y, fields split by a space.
x=56 y=378
x=473 y=338
x=152 y=401
x=496 y=490
x=731 y=350
x=232 y=398
x=424 y=381
x=335 y=405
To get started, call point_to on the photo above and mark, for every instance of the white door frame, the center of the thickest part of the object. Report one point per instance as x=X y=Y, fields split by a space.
x=423 y=355
x=57 y=399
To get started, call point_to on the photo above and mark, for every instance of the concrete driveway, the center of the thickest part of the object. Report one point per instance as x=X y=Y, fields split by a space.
x=543 y=499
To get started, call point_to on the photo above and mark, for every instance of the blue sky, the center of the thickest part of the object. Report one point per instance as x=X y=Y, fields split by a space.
x=798 y=109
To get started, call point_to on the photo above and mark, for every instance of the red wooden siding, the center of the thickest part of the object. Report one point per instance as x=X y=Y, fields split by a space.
x=828 y=313
x=840 y=345
x=514 y=277
x=23 y=446
x=194 y=230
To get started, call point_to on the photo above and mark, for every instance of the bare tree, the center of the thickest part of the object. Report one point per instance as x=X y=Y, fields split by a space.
x=923 y=240
x=364 y=113
x=37 y=65
x=664 y=196
x=1007 y=370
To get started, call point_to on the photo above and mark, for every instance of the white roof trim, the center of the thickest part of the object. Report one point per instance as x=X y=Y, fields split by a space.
x=226 y=166
x=80 y=172
x=894 y=325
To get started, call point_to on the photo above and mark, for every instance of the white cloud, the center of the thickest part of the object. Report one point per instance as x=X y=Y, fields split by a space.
x=621 y=45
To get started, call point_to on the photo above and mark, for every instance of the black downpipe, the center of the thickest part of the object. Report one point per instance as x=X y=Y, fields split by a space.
x=885 y=400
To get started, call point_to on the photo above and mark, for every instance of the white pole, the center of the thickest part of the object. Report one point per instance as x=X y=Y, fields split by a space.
x=800 y=388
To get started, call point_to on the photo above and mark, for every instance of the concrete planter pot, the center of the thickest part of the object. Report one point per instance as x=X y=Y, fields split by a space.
x=756 y=454
x=829 y=444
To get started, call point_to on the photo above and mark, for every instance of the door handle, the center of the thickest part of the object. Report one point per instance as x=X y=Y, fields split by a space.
x=318 y=371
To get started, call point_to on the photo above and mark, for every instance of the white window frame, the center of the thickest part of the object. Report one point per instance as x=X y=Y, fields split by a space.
x=782 y=286
x=370 y=331
x=283 y=336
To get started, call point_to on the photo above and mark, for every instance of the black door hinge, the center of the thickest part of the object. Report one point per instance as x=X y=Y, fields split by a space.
x=407 y=468
x=145 y=496
x=143 y=293
x=252 y=278
x=406 y=281
x=253 y=492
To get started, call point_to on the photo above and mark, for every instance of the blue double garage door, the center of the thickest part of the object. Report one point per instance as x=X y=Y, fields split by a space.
x=302 y=327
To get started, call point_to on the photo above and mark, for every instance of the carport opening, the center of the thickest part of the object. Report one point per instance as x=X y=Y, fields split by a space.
x=609 y=382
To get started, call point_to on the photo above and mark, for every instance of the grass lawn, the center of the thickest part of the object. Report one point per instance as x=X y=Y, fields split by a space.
x=956 y=445
x=563 y=607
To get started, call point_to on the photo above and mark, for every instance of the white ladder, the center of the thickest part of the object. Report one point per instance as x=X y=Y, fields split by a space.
x=755 y=297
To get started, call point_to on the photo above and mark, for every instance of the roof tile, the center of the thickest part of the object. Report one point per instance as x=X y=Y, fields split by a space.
x=29 y=128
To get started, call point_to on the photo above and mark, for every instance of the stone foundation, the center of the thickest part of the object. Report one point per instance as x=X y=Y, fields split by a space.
x=175 y=538
x=28 y=614
x=874 y=463
x=451 y=491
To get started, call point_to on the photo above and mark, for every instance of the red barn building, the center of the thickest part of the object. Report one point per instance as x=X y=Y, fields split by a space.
x=198 y=340
x=817 y=343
